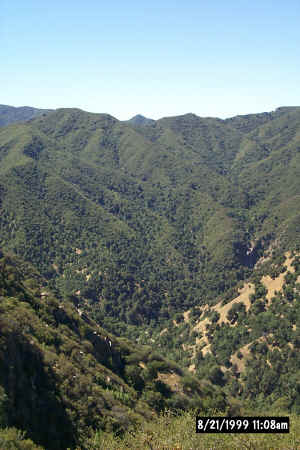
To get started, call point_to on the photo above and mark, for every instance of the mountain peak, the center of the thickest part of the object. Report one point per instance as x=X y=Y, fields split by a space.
x=139 y=119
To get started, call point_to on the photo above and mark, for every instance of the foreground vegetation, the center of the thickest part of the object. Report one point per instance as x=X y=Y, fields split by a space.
x=177 y=432
x=171 y=431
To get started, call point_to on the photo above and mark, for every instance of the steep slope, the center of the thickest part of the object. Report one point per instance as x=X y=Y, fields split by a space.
x=64 y=376
x=215 y=140
x=268 y=169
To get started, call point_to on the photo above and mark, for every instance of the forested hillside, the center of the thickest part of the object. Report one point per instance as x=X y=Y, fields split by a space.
x=248 y=344
x=150 y=226
x=138 y=221
x=63 y=377
x=145 y=221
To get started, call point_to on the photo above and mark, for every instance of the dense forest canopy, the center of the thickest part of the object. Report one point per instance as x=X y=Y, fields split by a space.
x=148 y=220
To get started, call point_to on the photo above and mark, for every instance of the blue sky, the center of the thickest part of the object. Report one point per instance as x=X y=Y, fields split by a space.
x=158 y=58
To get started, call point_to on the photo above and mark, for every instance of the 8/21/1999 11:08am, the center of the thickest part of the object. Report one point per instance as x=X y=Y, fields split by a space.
x=242 y=424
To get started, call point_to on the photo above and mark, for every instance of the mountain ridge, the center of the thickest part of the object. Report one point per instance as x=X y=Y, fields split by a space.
x=11 y=114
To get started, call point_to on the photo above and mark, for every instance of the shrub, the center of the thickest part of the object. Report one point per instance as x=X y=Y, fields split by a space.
x=11 y=439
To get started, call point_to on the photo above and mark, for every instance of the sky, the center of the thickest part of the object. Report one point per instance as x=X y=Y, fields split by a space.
x=156 y=58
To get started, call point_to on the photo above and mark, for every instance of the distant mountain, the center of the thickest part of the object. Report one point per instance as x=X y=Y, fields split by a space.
x=140 y=120
x=11 y=114
x=249 y=122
